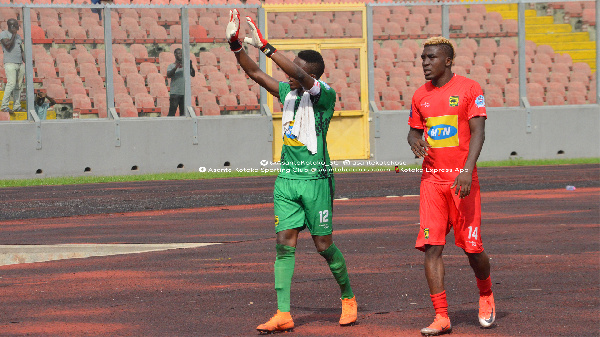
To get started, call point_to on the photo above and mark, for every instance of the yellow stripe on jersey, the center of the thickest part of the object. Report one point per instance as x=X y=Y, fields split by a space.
x=289 y=139
x=442 y=131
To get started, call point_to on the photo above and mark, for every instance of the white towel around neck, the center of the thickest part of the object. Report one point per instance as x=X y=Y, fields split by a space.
x=304 y=123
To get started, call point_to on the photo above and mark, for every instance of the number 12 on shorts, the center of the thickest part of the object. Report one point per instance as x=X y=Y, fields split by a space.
x=324 y=216
x=473 y=233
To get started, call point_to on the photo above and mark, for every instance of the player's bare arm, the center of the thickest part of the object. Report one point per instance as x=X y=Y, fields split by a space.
x=248 y=65
x=463 y=181
x=13 y=28
x=417 y=144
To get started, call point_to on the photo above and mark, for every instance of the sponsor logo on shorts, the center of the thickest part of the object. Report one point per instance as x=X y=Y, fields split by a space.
x=276 y=221
x=426 y=232
x=473 y=243
x=454 y=101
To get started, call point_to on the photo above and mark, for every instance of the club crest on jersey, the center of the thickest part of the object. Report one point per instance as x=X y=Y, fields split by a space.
x=480 y=101
x=454 y=101
x=426 y=232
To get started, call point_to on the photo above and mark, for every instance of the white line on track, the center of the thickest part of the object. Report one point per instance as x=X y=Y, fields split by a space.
x=16 y=254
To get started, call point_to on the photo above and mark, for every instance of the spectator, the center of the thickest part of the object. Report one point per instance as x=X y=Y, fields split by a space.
x=98 y=10
x=40 y=104
x=175 y=73
x=14 y=66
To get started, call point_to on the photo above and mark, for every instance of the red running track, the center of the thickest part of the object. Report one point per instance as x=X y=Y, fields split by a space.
x=543 y=243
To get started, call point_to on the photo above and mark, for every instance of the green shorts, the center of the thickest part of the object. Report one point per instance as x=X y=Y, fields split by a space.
x=304 y=203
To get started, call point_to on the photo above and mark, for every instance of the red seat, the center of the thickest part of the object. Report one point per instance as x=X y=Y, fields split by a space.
x=56 y=91
x=81 y=102
x=144 y=100
x=210 y=109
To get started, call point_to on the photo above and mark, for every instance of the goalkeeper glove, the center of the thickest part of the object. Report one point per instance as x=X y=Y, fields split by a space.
x=257 y=39
x=233 y=31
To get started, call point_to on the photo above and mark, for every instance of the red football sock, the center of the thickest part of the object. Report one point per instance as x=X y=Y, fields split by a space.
x=440 y=304
x=485 y=286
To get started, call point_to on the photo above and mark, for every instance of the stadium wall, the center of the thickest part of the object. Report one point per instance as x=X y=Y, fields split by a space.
x=572 y=130
x=159 y=145
x=151 y=145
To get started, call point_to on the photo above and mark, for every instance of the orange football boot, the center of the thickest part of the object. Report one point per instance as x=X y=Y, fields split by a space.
x=282 y=321
x=349 y=311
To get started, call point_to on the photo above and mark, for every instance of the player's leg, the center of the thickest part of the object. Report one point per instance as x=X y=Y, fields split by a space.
x=317 y=198
x=18 y=88
x=289 y=220
x=11 y=80
x=434 y=227
x=467 y=233
x=181 y=104
x=172 y=105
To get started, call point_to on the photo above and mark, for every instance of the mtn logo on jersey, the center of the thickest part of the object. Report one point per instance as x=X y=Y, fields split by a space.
x=454 y=100
x=442 y=131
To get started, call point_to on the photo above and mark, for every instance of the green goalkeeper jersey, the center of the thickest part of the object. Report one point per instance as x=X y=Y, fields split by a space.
x=296 y=161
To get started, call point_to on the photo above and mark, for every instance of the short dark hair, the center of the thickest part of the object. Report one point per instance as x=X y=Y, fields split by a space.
x=314 y=61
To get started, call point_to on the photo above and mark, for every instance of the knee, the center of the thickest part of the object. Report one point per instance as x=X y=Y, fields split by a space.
x=287 y=239
x=322 y=243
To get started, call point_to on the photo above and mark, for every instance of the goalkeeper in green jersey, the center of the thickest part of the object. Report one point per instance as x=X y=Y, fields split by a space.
x=303 y=194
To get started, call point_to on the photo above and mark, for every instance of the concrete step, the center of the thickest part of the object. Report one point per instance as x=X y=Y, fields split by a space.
x=502 y=7
x=548 y=29
x=568 y=46
x=514 y=15
x=558 y=37
x=539 y=20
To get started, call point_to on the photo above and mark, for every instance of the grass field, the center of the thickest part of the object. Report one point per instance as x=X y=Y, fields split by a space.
x=213 y=175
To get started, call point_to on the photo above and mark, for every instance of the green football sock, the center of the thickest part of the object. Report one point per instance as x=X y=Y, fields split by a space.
x=337 y=265
x=284 y=270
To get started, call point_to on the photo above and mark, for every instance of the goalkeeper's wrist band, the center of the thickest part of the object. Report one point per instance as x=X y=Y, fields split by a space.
x=235 y=46
x=268 y=50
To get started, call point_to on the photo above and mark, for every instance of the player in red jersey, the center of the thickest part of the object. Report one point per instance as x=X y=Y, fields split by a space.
x=447 y=129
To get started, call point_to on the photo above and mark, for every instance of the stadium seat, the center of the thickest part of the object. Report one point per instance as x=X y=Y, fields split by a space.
x=138 y=50
x=463 y=61
x=334 y=30
x=100 y=104
x=315 y=30
x=87 y=69
x=144 y=101
x=81 y=102
x=577 y=98
x=64 y=58
x=65 y=69
x=94 y=81
x=228 y=100
x=147 y=68
x=175 y=32
x=56 y=91
x=210 y=109
x=581 y=67
x=55 y=32
x=472 y=28
x=353 y=29
x=135 y=79
x=248 y=98
x=465 y=52
x=494 y=100
x=580 y=77
x=483 y=61
x=171 y=15
x=127 y=68
x=158 y=33
x=198 y=32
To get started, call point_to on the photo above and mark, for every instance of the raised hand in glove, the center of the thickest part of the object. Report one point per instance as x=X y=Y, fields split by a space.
x=256 y=39
x=232 y=31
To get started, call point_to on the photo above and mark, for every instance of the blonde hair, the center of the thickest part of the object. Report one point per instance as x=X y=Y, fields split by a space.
x=440 y=40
